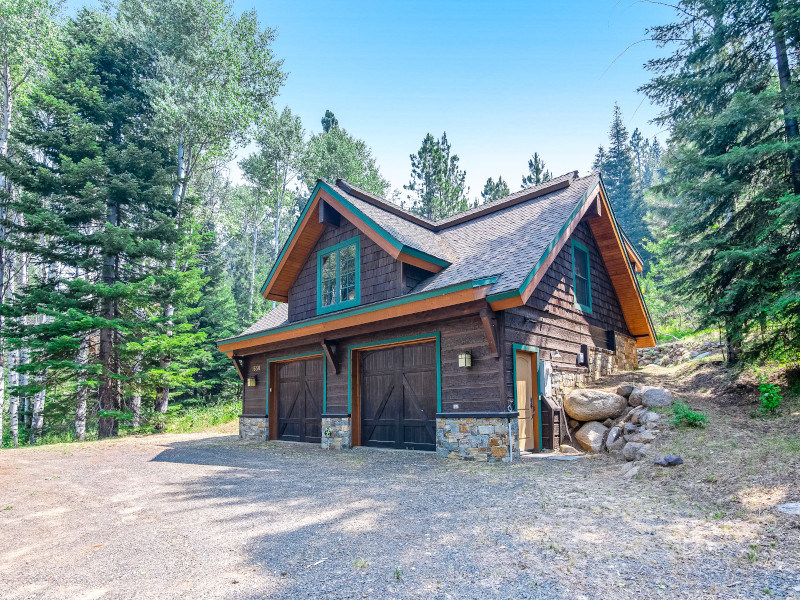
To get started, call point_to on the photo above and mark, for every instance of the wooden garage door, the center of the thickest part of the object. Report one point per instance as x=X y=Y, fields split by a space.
x=299 y=397
x=398 y=396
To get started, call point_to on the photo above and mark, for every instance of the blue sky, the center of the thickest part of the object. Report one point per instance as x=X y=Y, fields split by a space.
x=503 y=79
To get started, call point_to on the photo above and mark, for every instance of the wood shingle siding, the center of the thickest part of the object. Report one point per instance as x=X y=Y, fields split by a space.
x=550 y=320
x=255 y=398
x=380 y=273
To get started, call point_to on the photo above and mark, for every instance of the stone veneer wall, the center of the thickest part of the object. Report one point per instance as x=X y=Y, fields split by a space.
x=253 y=428
x=601 y=362
x=335 y=433
x=483 y=439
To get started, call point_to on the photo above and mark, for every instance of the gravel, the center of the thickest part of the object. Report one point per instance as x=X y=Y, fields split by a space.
x=208 y=516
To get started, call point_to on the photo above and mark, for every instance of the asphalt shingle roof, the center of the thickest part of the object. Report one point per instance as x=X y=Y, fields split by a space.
x=505 y=243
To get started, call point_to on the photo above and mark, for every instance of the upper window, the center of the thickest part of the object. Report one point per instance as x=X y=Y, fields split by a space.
x=338 y=277
x=581 y=281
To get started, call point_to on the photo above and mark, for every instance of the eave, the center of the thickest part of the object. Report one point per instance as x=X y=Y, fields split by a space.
x=465 y=292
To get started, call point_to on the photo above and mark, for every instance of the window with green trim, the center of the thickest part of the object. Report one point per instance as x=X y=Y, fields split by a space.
x=338 y=277
x=581 y=279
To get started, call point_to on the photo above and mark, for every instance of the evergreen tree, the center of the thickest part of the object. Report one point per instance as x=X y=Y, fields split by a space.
x=494 y=190
x=618 y=166
x=729 y=206
x=437 y=184
x=335 y=154
x=537 y=172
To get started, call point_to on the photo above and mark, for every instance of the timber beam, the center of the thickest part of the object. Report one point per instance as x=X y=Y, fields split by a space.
x=330 y=353
x=489 y=322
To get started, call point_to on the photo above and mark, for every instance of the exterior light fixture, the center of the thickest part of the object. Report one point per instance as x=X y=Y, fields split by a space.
x=251 y=381
x=465 y=359
x=555 y=354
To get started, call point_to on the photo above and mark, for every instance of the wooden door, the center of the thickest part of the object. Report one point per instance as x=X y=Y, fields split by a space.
x=527 y=401
x=299 y=385
x=398 y=396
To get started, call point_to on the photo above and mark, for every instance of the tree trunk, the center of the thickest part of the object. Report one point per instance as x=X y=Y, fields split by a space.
x=37 y=417
x=253 y=271
x=82 y=393
x=790 y=120
x=108 y=392
x=136 y=399
x=13 y=407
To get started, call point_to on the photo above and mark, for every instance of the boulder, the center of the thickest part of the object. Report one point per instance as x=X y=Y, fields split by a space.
x=642 y=437
x=668 y=460
x=631 y=473
x=648 y=417
x=650 y=396
x=608 y=423
x=591 y=436
x=625 y=390
x=613 y=435
x=573 y=424
x=634 y=415
x=567 y=449
x=617 y=446
x=593 y=405
x=634 y=451
x=629 y=428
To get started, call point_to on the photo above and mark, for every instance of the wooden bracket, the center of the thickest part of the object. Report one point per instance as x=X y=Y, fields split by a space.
x=595 y=209
x=489 y=320
x=330 y=354
x=238 y=362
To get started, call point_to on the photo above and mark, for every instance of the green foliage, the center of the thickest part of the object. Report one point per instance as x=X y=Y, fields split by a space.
x=770 y=397
x=684 y=416
x=537 y=172
x=729 y=206
x=494 y=190
x=437 y=184
x=335 y=154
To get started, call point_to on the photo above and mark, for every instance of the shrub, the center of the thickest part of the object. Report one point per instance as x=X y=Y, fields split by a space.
x=684 y=416
x=770 y=396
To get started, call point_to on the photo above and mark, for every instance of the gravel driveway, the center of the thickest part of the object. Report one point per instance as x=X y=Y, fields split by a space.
x=207 y=516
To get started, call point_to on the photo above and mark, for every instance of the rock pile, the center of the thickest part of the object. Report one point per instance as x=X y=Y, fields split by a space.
x=676 y=353
x=621 y=422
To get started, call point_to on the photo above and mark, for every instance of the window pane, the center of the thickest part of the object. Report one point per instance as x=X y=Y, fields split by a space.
x=581 y=277
x=347 y=273
x=328 y=279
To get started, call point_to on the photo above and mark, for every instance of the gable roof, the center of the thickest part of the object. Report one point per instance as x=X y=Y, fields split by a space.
x=509 y=243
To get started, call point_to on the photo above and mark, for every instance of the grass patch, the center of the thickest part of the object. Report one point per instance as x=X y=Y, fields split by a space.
x=684 y=416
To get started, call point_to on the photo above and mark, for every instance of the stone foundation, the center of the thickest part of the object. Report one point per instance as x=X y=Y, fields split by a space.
x=253 y=428
x=483 y=439
x=335 y=433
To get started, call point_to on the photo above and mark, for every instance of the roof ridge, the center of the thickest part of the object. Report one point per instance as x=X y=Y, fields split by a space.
x=541 y=189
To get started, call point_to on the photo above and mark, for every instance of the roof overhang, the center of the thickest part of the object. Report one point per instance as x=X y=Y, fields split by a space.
x=308 y=229
x=403 y=306
x=618 y=256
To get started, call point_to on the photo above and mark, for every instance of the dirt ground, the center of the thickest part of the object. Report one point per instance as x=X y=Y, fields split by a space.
x=207 y=516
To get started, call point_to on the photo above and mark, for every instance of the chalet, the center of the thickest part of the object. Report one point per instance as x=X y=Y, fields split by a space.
x=460 y=336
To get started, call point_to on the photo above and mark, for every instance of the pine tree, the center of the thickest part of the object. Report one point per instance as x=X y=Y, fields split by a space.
x=618 y=167
x=537 y=172
x=729 y=206
x=494 y=190
x=95 y=193
x=437 y=184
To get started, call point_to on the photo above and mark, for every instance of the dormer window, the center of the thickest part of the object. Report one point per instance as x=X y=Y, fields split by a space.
x=338 y=276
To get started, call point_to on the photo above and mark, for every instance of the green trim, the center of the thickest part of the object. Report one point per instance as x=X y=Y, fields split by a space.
x=535 y=350
x=425 y=336
x=353 y=241
x=304 y=355
x=365 y=309
x=545 y=254
x=587 y=308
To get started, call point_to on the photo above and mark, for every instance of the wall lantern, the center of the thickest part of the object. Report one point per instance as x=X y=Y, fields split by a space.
x=465 y=359
x=251 y=381
x=555 y=354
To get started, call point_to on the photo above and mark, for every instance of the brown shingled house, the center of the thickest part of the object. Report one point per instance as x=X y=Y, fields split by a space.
x=460 y=336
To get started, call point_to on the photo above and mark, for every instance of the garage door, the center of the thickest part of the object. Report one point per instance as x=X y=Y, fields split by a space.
x=299 y=396
x=398 y=396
